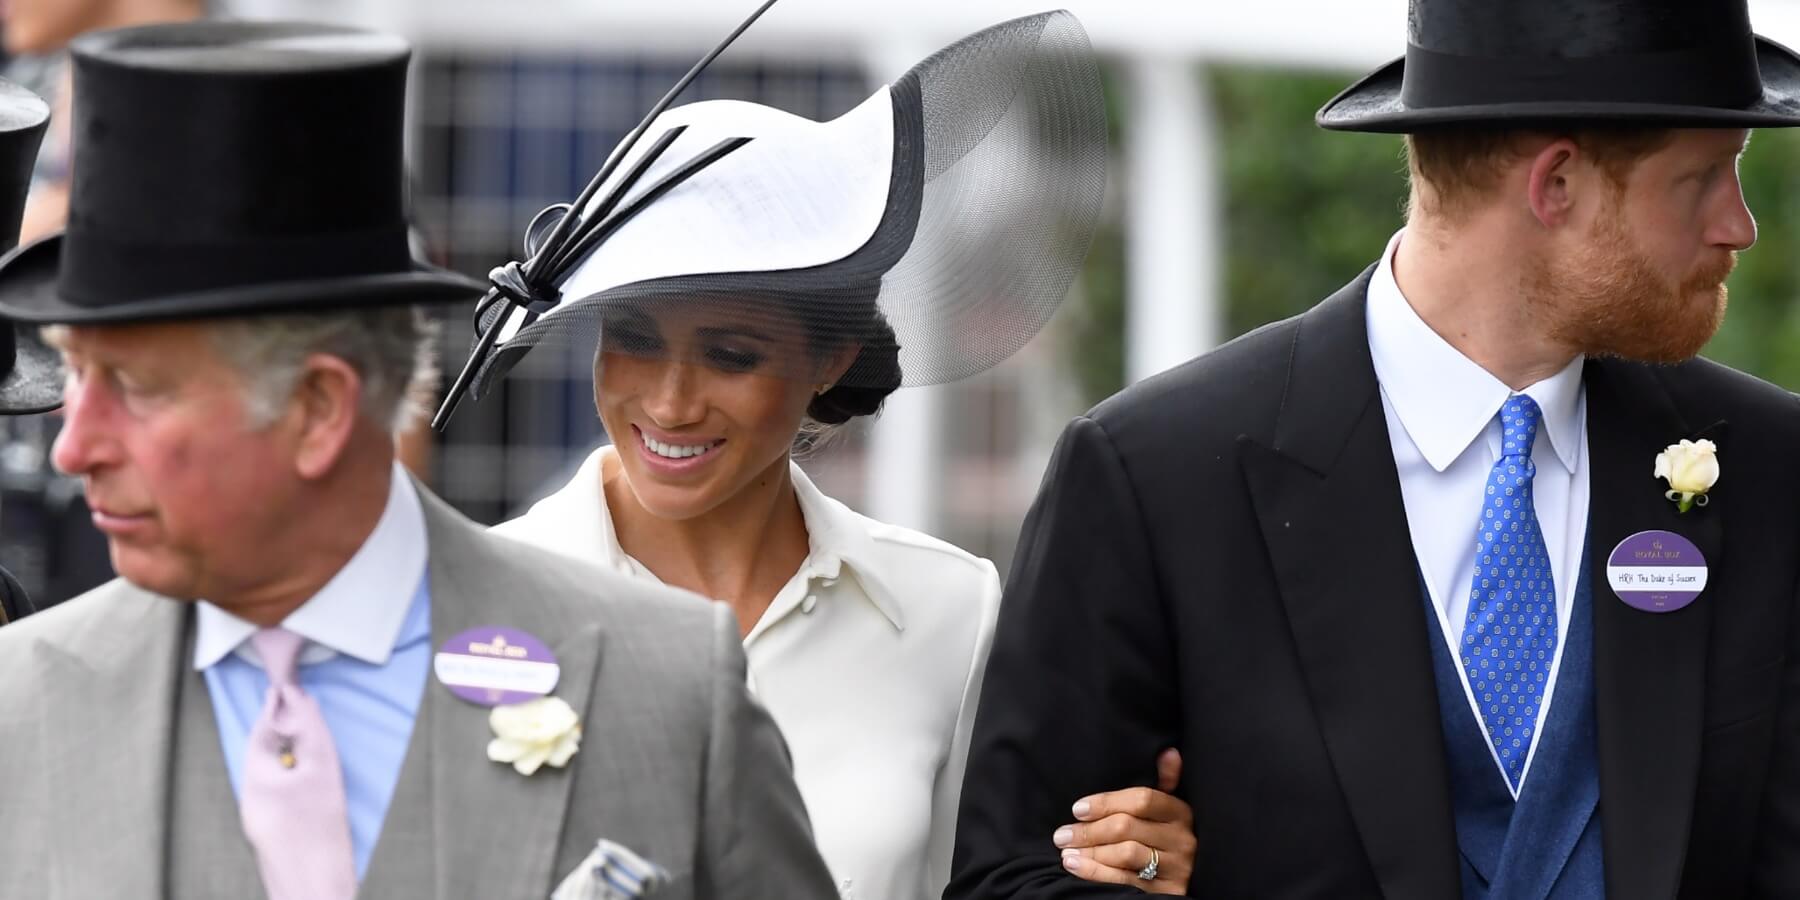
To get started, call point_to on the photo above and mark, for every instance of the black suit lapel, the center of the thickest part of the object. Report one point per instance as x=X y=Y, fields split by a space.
x=1328 y=500
x=1650 y=668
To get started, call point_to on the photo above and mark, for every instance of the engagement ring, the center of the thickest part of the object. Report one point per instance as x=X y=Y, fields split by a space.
x=1148 y=872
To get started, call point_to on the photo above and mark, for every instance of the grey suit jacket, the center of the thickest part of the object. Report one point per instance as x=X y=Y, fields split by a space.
x=112 y=783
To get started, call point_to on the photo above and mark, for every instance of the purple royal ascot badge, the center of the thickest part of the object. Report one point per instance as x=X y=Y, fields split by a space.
x=1656 y=571
x=494 y=666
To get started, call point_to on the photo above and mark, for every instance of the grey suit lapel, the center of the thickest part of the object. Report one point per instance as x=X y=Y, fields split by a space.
x=405 y=857
x=106 y=754
x=211 y=857
x=465 y=825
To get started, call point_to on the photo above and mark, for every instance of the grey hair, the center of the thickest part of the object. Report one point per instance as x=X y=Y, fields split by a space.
x=392 y=348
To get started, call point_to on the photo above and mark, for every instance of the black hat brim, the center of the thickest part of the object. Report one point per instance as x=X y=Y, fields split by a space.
x=1374 y=105
x=36 y=381
x=28 y=293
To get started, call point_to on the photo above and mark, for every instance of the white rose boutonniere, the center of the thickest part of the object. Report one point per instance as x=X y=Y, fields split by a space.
x=1691 y=468
x=530 y=734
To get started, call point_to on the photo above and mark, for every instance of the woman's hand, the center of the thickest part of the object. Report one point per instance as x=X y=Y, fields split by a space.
x=1115 y=832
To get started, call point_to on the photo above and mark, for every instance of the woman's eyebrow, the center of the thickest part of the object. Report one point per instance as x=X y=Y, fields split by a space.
x=733 y=331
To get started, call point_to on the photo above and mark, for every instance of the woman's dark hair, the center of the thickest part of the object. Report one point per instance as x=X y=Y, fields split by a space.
x=872 y=376
x=852 y=318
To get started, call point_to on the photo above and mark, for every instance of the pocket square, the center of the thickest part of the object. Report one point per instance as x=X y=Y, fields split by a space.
x=612 y=872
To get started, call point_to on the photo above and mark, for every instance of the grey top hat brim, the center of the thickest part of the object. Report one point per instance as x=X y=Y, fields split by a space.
x=1374 y=105
x=36 y=381
x=28 y=293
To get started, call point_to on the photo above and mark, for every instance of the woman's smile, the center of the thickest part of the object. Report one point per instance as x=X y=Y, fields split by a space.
x=668 y=454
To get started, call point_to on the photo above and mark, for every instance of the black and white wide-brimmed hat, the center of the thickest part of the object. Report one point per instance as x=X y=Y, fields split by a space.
x=1691 y=64
x=943 y=220
x=230 y=168
x=30 y=372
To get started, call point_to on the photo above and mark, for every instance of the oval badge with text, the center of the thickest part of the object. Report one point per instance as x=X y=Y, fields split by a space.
x=1656 y=571
x=496 y=666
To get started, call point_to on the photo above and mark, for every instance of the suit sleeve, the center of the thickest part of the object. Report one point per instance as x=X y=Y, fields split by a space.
x=1776 y=871
x=756 y=842
x=1080 y=692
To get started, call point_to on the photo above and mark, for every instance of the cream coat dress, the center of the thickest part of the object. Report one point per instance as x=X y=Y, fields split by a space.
x=869 y=659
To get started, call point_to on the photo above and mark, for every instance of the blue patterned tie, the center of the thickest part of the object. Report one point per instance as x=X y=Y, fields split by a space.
x=1510 y=637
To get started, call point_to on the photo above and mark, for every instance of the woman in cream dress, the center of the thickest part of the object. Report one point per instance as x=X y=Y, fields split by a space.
x=793 y=282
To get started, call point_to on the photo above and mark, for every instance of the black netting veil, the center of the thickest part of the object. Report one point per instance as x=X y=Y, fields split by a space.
x=992 y=194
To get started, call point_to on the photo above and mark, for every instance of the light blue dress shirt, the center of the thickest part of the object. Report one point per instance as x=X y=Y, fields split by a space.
x=367 y=656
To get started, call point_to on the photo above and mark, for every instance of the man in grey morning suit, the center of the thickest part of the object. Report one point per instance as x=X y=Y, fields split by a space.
x=237 y=308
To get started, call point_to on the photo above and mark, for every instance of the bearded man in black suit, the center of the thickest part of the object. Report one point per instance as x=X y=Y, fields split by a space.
x=1471 y=581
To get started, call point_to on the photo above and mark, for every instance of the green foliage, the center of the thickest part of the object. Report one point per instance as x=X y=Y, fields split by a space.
x=1094 y=339
x=1761 y=334
x=1306 y=210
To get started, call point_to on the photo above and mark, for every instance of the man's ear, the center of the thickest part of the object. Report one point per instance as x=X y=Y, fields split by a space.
x=324 y=409
x=1555 y=181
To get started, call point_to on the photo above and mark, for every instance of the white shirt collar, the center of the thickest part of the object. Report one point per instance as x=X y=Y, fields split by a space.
x=578 y=522
x=1443 y=398
x=840 y=538
x=360 y=610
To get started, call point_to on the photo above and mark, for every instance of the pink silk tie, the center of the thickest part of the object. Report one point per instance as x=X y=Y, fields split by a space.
x=292 y=798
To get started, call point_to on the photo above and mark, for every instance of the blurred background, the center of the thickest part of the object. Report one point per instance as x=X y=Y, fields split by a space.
x=1227 y=209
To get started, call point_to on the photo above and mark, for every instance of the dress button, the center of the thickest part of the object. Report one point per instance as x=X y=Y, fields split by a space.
x=807 y=605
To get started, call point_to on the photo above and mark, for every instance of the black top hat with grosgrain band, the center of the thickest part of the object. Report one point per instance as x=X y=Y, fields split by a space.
x=1626 y=62
x=230 y=168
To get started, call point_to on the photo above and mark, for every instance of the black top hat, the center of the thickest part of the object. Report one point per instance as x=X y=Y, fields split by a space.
x=230 y=168
x=1628 y=62
x=30 y=373
x=15 y=604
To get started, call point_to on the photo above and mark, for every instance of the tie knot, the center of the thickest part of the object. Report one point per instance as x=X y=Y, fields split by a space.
x=1519 y=419
x=280 y=652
